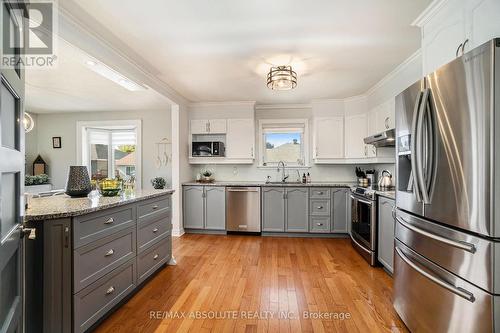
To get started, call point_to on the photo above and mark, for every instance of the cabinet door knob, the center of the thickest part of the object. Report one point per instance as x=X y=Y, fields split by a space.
x=109 y=253
x=155 y=230
x=110 y=221
x=155 y=256
x=110 y=290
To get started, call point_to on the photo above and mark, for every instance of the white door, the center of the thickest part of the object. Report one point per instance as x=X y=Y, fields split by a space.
x=199 y=126
x=356 y=128
x=329 y=137
x=217 y=126
x=240 y=139
x=482 y=22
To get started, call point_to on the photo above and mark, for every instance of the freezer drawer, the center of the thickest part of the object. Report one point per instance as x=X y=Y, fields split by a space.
x=470 y=257
x=429 y=299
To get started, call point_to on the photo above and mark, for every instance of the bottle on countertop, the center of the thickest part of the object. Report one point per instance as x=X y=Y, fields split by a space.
x=308 y=177
x=304 y=178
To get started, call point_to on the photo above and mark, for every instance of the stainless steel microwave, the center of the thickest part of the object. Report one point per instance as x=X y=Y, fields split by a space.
x=208 y=148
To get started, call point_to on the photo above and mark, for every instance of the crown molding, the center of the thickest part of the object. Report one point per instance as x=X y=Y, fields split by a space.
x=394 y=72
x=78 y=32
x=428 y=13
x=228 y=103
x=283 y=106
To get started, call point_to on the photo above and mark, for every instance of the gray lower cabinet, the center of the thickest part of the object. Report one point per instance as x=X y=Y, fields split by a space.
x=339 y=210
x=386 y=232
x=215 y=208
x=204 y=207
x=92 y=262
x=285 y=209
x=297 y=208
x=273 y=209
x=194 y=207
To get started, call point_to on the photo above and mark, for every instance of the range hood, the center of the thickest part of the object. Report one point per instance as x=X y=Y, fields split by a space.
x=384 y=139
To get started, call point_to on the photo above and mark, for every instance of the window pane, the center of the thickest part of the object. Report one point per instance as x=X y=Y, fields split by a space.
x=286 y=147
x=9 y=116
x=9 y=207
x=99 y=161
x=124 y=149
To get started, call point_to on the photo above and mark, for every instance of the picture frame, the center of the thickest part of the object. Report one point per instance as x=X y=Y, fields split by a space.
x=56 y=142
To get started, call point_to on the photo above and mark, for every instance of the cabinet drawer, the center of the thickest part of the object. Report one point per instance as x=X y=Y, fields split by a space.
x=96 y=259
x=153 y=258
x=153 y=209
x=149 y=233
x=319 y=193
x=319 y=224
x=91 y=227
x=320 y=207
x=93 y=302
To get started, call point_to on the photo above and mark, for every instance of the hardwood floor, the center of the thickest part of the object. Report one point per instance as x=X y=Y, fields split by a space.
x=279 y=278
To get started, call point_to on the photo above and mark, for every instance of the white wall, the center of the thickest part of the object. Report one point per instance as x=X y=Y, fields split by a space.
x=156 y=124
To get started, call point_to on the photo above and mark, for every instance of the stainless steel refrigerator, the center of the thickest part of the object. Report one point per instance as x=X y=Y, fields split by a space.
x=447 y=235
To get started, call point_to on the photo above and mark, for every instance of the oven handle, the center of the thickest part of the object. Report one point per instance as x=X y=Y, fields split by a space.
x=361 y=246
x=361 y=200
x=456 y=290
x=461 y=245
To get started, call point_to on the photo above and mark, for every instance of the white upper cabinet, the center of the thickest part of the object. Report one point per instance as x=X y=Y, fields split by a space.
x=328 y=138
x=452 y=27
x=482 y=21
x=240 y=139
x=384 y=115
x=356 y=129
x=204 y=126
x=217 y=126
x=199 y=126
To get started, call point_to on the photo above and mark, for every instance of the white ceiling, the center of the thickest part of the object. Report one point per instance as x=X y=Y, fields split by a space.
x=72 y=86
x=221 y=50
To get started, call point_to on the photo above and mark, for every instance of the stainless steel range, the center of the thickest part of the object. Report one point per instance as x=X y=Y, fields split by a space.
x=364 y=222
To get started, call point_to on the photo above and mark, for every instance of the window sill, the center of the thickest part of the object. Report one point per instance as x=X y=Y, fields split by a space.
x=287 y=167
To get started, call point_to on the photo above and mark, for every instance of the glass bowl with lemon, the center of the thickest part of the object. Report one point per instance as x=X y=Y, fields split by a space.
x=110 y=187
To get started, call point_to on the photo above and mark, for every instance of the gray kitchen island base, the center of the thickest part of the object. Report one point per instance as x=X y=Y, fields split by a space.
x=82 y=267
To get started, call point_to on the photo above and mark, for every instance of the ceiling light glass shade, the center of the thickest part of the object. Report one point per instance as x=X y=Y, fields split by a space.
x=28 y=122
x=281 y=78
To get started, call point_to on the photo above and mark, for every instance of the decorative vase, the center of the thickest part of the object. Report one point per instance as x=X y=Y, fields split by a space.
x=78 y=183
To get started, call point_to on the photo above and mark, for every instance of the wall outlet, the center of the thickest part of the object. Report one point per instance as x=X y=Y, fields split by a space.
x=235 y=171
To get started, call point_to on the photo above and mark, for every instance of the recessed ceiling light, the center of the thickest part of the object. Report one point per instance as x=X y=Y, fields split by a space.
x=114 y=76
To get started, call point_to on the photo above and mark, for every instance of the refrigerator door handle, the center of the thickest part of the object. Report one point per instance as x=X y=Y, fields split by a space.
x=419 y=147
x=460 y=245
x=456 y=290
x=413 y=142
x=433 y=146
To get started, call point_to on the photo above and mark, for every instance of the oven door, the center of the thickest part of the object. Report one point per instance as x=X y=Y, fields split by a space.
x=200 y=149
x=363 y=222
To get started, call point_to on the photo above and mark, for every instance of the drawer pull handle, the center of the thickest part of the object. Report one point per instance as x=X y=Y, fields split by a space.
x=110 y=220
x=110 y=290
x=155 y=256
x=155 y=230
x=320 y=207
x=109 y=253
x=155 y=207
x=319 y=224
x=320 y=192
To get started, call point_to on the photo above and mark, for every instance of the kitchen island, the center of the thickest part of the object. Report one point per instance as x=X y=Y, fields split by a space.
x=90 y=254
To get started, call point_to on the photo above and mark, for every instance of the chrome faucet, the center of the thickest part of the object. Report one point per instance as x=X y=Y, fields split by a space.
x=284 y=177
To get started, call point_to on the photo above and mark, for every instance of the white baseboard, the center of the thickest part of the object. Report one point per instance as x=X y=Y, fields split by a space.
x=178 y=232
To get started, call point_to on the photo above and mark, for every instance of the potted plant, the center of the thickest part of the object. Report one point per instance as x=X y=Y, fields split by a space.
x=158 y=183
x=207 y=176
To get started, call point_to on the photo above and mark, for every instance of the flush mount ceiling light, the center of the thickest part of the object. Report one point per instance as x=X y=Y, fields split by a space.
x=281 y=78
x=114 y=76
x=28 y=122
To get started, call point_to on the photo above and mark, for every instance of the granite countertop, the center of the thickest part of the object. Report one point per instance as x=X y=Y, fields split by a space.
x=264 y=184
x=387 y=194
x=64 y=206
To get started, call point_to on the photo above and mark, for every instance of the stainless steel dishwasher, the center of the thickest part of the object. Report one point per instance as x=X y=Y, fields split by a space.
x=243 y=209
